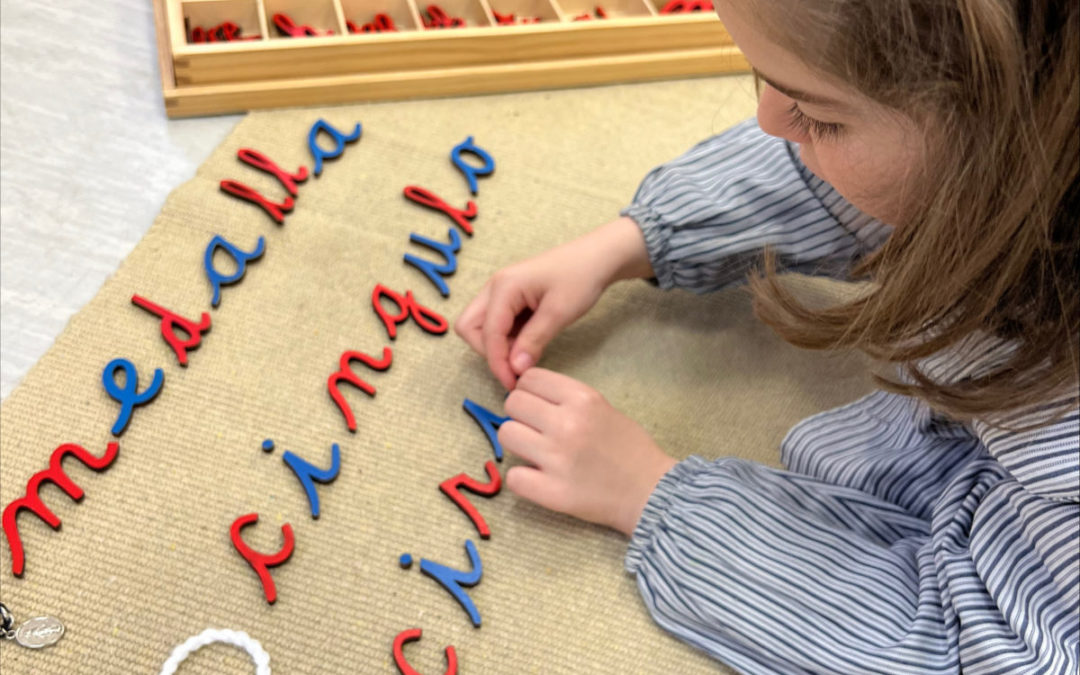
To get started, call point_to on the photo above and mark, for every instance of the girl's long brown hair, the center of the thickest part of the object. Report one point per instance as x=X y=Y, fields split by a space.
x=992 y=245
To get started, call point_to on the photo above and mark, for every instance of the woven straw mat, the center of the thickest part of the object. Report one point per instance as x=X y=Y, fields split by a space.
x=145 y=561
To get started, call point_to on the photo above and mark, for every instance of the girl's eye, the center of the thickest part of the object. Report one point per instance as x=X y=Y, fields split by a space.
x=804 y=124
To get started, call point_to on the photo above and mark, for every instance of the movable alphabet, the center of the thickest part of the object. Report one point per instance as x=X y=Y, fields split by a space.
x=264 y=163
x=428 y=319
x=453 y=580
x=451 y=487
x=129 y=396
x=383 y=23
x=261 y=562
x=31 y=500
x=438 y=18
x=685 y=6
x=432 y=271
x=284 y=23
x=411 y=635
x=241 y=258
x=170 y=322
x=429 y=199
x=273 y=209
x=346 y=373
x=339 y=138
x=471 y=172
x=308 y=474
x=489 y=422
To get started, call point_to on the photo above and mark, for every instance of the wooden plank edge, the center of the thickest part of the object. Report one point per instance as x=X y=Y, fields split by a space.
x=164 y=47
x=397 y=53
x=329 y=44
x=220 y=99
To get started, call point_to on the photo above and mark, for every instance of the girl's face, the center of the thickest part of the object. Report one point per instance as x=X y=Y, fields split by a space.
x=870 y=154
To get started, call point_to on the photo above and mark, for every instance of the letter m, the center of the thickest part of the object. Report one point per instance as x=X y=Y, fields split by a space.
x=31 y=501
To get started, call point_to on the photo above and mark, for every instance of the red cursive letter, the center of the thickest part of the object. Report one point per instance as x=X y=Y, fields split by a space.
x=346 y=373
x=410 y=635
x=170 y=321
x=450 y=488
x=428 y=319
x=430 y=200
x=259 y=561
x=276 y=211
x=264 y=163
x=31 y=501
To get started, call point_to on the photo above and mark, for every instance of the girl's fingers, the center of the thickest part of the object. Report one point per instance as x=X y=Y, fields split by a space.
x=541 y=328
x=549 y=385
x=522 y=441
x=534 y=485
x=470 y=324
x=502 y=307
x=530 y=409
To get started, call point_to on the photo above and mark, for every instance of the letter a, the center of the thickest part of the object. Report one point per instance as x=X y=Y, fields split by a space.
x=241 y=258
x=340 y=140
x=471 y=172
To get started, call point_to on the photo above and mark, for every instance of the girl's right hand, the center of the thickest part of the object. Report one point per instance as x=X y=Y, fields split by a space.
x=524 y=306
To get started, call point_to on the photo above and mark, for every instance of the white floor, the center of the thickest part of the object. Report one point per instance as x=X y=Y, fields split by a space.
x=87 y=157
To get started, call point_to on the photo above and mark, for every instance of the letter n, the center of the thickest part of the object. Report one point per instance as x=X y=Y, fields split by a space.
x=346 y=373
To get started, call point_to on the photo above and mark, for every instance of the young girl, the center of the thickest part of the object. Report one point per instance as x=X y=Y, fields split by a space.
x=930 y=147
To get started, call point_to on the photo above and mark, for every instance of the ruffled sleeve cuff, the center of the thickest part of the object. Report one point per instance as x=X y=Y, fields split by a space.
x=657 y=235
x=657 y=508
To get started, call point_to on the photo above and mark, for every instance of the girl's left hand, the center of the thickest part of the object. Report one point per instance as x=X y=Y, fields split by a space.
x=587 y=459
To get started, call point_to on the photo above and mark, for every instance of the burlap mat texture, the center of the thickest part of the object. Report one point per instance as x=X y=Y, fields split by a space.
x=145 y=560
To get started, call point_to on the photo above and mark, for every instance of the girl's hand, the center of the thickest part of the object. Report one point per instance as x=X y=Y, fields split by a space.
x=587 y=459
x=524 y=306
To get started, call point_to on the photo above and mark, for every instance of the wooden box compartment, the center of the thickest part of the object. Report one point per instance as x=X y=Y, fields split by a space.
x=524 y=12
x=313 y=52
x=472 y=13
x=208 y=15
x=593 y=10
x=687 y=7
x=321 y=17
x=360 y=13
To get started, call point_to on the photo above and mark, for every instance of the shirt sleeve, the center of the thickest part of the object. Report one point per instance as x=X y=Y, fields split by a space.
x=708 y=215
x=892 y=544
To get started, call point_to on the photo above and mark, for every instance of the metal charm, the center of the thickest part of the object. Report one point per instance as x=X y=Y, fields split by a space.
x=42 y=631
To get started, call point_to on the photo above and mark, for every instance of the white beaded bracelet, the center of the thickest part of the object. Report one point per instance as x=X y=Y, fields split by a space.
x=212 y=635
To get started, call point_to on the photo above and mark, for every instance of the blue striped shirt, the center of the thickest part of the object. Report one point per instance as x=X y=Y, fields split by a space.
x=895 y=541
